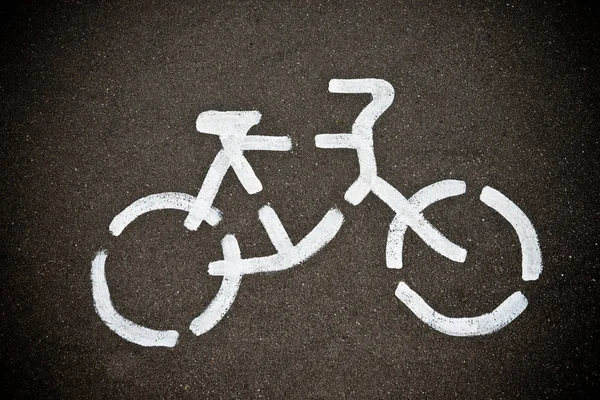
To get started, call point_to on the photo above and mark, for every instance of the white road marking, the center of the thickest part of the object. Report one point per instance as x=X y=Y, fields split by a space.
x=287 y=255
x=230 y=285
x=484 y=324
x=506 y=312
x=383 y=97
x=361 y=139
x=419 y=201
x=532 y=256
x=267 y=143
x=123 y=327
x=277 y=233
x=415 y=219
x=198 y=210
x=232 y=128
x=159 y=201
x=233 y=267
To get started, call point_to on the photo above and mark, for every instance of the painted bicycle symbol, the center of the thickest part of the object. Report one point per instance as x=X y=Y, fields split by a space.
x=232 y=128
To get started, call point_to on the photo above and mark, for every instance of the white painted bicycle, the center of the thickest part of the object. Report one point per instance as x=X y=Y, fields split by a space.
x=232 y=128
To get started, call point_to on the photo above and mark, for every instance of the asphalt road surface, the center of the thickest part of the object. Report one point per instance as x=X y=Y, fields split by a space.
x=99 y=103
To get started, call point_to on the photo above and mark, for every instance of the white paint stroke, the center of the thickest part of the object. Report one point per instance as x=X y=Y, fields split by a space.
x=412 y=216
x=233 y=267
x=159 y=201
x=198 y=210
x=232 y=128
x=267 y=143
x=420 y=200
x=337 y=141
x=531 y=254
x=244 y=172
x=277 y=233
x=225 y=297
x=484 y=324
x=287 y=255
x=383 y=97
x=227 y=124
x=123 y=327
x=361 y=139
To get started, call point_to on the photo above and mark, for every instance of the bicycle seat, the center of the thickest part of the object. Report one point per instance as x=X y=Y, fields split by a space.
x=227 y=123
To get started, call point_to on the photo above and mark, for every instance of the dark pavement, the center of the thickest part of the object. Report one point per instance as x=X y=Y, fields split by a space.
x=99 y=104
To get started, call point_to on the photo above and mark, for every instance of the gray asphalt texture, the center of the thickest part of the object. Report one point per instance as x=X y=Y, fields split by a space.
x=98 y=105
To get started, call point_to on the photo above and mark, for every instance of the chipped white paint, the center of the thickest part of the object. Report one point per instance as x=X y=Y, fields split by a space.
x=484 y=324
x=123 y=327
x=233 y=266
x=230 y=285
x=159 y=201
x=420 y=200
x=231 y=127
x=409 y=213
x=361 y=140
x=287 y=255
x=506 y=312
x=531 y=263
x=411 y=216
